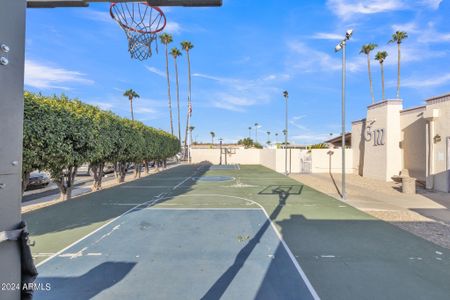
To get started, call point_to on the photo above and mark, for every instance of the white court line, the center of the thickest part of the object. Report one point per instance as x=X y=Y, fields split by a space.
x=199 y=208
x=145 y=187
x=277 y=233
x=91 y=233
x=178 y=185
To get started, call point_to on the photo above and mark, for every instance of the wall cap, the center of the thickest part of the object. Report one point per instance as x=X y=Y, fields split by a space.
x=386 y=102
x=438 y=99
x=407 y=110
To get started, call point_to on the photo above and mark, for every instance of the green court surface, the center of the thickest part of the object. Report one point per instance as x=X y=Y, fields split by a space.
x=334 y=249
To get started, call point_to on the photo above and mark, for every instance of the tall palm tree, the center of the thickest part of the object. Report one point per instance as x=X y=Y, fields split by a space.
x=256 y=132
x=276 y=137
x=131 y=94
x=166 y=39
x=187 y=46
x=249 y=132
x=268 y=137
x=398 y=38
x=175 y=53
x=366 y=49
x=381 y=56
x=213 y=135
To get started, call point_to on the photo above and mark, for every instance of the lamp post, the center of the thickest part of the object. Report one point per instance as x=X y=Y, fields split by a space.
x=286 y=96
x=339 y=47
x=220 y=146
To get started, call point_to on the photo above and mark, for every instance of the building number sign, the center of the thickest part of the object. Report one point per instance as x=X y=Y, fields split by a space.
x=375 y=135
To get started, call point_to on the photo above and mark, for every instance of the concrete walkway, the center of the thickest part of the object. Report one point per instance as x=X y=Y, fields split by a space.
x=426 y=214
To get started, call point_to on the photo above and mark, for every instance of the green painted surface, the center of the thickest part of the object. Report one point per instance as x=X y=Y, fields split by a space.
x=345 y=253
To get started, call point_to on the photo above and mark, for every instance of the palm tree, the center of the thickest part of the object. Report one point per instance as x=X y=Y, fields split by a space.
x=256 y=132
x=249 y=132
x=131 y=94
x=276 y=137
x=268 y=137
x=366 y=49
x=398 y=38
x=166 y=39
x=381 y=56
x=212 y=137
x=175 y=53
x=187 y=46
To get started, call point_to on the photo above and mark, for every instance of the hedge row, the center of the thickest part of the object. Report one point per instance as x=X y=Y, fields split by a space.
x=61 y=134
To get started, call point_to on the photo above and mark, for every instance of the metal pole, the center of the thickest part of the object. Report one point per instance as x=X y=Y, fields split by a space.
x=343 y=119
x=12 y=49
x=220 y=152
x=286 y=136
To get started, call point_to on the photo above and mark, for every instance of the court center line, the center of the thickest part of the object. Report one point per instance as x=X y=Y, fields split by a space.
x=200 y=208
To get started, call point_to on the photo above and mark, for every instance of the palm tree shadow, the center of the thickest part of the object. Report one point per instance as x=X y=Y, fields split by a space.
x=220 y=286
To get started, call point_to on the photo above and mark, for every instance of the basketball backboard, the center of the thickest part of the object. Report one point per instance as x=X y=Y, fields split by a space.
x=84 y=3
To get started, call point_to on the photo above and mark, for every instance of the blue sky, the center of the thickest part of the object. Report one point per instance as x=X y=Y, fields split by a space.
x=246 y=53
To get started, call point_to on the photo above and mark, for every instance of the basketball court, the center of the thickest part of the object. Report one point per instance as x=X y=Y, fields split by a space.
x=256 y=235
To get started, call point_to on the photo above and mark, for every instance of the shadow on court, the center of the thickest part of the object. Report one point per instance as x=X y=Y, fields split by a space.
x=107 y=204
x=87 y=285
x=271 y=286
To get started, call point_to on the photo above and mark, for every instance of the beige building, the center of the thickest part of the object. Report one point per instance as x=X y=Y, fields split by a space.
x=391 y=138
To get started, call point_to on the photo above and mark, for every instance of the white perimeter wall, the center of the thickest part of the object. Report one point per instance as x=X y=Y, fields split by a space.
x=323 y=162
x=275 y=159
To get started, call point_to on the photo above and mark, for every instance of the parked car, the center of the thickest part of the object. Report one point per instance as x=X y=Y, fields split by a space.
x=85 y=169
x=38 y=180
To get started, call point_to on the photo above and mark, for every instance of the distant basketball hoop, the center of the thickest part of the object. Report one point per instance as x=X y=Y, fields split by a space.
x=141 y=23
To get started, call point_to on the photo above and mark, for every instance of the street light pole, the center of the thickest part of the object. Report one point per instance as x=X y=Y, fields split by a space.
x=286 y=96
x=339 y=47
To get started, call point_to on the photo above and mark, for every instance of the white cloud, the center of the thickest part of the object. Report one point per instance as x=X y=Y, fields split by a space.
x=102 y=105
x=327 y=36
x=236 y=94
x=95 y=15
x=145 y=110
x=156 y=71
x=346 y=9
x=307 y=59
x=426 y=81
x=173 y=27
x=295 y=121
x=43 y=76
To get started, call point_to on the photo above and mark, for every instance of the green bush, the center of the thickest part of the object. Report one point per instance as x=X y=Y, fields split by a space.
x=61 y=134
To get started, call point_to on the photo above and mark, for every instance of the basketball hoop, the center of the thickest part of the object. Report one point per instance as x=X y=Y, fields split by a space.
x=141 y=23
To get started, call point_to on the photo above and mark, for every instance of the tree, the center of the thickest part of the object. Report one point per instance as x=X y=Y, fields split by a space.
x=276 y=137
x=212 y=137
x=268 y=137
x=191 y=128
x=256 y=132
x=381 y=56
x=250 y=132
x=398 y=38
x=166 y=39
x=247 y=142
x=175 y=53
x=366 y=49
x=131 y=95
x=187 y=46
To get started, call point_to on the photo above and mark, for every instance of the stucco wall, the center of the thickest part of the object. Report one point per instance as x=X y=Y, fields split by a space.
x=358 y=145
x=268 y=158
x=413 y=142
x=440 y=157
x=323 y=162
x=383 y=160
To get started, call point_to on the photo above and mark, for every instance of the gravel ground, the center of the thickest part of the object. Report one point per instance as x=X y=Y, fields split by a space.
x=384 y=201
